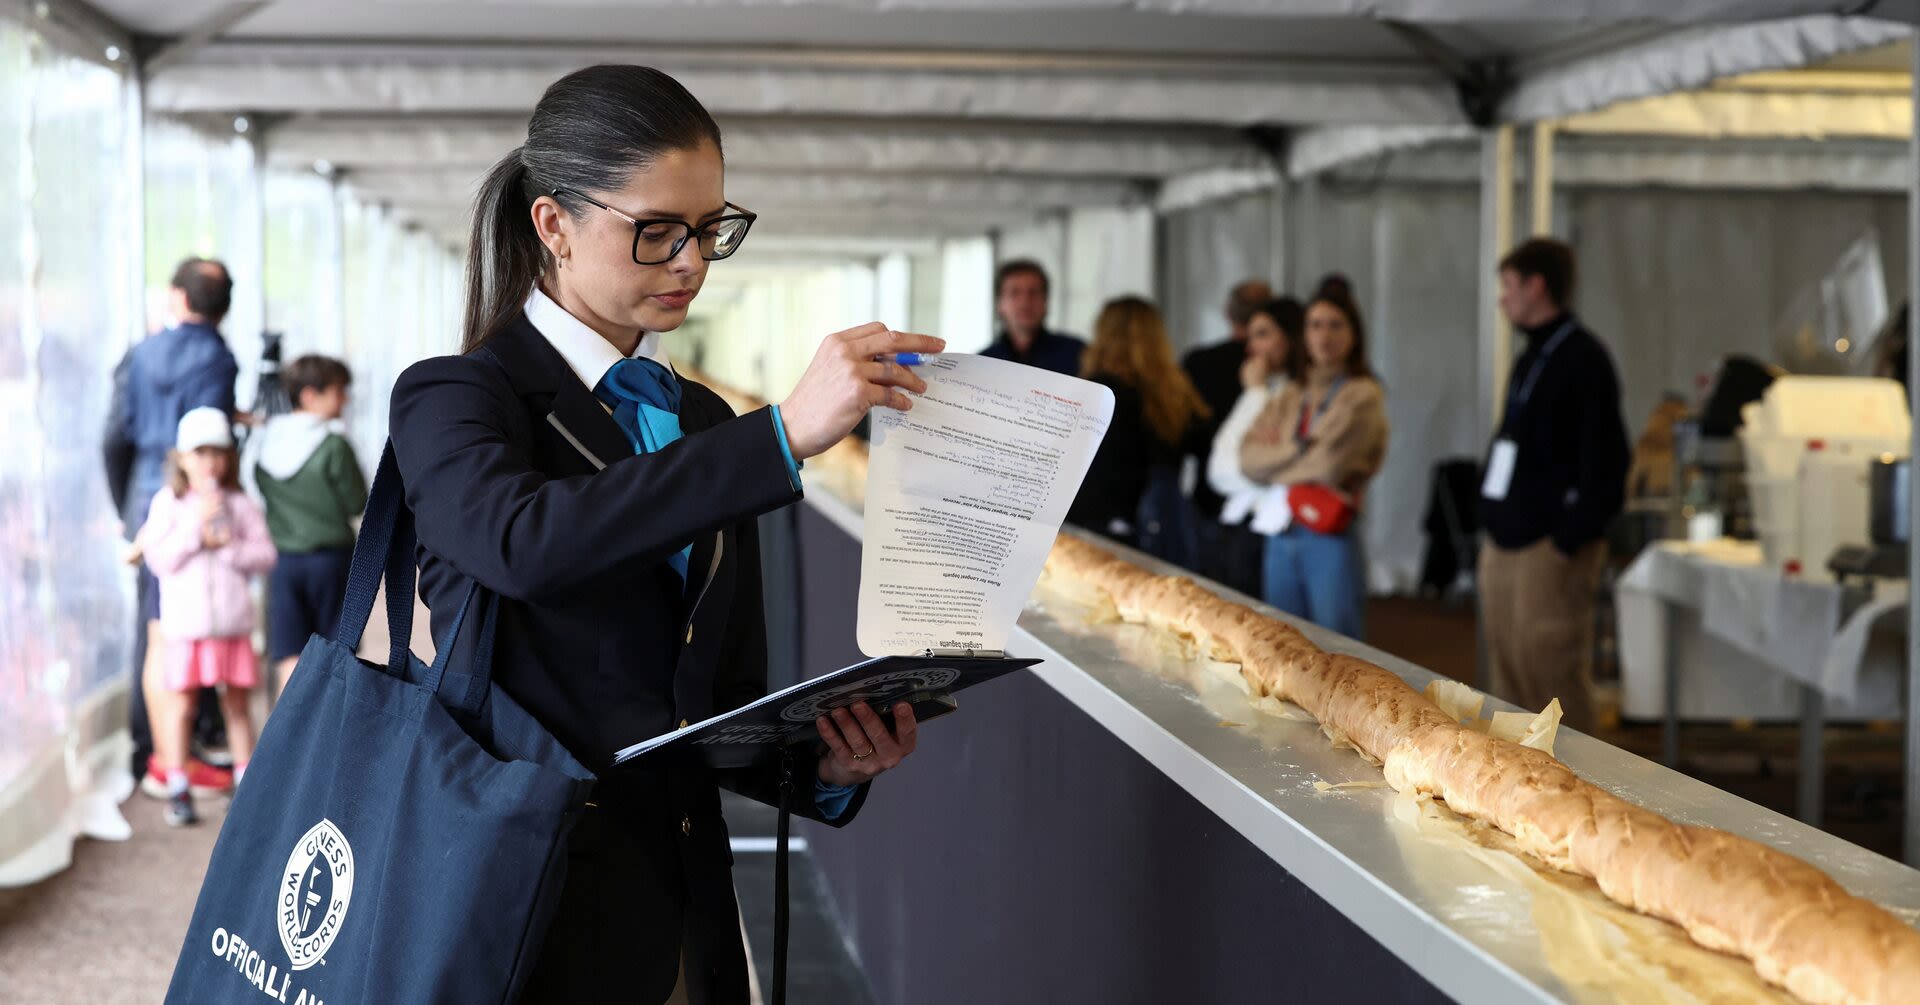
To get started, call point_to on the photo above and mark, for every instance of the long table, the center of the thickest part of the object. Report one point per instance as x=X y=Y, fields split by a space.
x=1114 y=827
x=1709 y=632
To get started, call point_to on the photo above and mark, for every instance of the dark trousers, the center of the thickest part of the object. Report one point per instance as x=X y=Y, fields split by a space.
x=1231 y=556
x=1165 y=521
x=146 y=608
x=600 y=948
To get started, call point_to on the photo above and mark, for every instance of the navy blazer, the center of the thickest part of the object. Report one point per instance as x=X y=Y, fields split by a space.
x=519 y=478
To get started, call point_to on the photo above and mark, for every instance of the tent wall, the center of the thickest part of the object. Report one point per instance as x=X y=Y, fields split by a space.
x=69 y=210
x=1675 y=280
x=198 y=203
x=1206 y=250
x=1109 y=254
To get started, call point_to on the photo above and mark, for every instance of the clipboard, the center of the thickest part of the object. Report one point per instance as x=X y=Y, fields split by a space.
x=758 y=732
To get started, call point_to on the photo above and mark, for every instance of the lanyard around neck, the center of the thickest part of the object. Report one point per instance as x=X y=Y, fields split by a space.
x=1310 y=415
x=1518 y=399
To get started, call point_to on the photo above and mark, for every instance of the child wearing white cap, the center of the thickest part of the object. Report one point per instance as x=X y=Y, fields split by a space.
x=204 y=538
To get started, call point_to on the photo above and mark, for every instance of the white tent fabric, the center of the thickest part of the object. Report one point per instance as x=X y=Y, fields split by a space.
x=1157 y=91
x=1688 y=59
x=1109 y=254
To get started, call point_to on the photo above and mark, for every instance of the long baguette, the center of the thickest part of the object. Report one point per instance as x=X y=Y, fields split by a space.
x=1801 y=930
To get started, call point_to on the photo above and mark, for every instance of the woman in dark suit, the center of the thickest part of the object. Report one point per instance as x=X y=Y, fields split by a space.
x=563 y=464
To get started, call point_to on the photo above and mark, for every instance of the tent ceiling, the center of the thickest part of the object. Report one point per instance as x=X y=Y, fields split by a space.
x=1009 y=107
x=797 y=144
x=1231 y=92
x=1253 y=27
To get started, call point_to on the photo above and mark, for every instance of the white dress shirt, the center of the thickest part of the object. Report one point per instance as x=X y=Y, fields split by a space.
x=1244 y=496
x=588 y=354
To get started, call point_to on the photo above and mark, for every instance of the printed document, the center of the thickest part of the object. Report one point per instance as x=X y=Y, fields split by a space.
x=965 y=494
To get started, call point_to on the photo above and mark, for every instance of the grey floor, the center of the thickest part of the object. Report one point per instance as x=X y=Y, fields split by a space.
x=108 y=929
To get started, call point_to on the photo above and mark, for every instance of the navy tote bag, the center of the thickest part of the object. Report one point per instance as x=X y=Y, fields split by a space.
x=401 y=833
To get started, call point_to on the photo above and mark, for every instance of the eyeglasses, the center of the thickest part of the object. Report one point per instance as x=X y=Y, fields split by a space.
x=656 y=242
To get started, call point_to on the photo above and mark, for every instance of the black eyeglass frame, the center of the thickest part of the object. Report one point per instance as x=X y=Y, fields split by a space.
x=740 y=213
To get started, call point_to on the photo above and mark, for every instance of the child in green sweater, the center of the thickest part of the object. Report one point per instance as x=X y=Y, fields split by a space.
x=311 y=482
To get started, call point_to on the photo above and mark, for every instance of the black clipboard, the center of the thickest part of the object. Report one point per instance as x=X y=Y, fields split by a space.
x=760 y=731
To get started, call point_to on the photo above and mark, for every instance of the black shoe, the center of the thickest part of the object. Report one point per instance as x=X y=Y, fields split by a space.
x=180 y=810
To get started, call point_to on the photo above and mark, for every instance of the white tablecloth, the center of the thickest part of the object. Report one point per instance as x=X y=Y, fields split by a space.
x=1748 y=637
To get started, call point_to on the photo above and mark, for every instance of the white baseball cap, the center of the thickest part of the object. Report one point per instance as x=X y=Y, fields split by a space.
x=204 y=427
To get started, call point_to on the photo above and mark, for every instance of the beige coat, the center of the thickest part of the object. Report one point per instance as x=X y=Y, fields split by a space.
x=1347 y=443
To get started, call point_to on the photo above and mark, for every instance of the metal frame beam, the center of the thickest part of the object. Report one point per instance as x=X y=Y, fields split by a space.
x=1911 y=839
x=841 y=145
x=157 y=56
x=887 y=85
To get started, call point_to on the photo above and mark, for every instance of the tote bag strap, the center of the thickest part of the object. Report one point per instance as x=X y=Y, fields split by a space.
x=385 y=547
x=466 y=689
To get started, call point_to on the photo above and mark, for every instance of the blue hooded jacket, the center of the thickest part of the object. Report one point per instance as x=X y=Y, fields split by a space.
x=160 y=379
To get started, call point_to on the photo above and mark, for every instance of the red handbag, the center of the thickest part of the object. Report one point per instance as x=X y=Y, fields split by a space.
x=1320 y=508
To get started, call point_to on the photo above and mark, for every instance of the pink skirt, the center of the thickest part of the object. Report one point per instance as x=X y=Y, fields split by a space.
x=196 y=663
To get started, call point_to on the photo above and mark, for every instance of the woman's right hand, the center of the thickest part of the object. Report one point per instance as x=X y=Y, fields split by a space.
x=844 y=381
x=1253 y=372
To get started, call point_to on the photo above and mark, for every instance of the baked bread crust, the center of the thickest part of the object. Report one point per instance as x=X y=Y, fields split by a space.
x=1801 y=930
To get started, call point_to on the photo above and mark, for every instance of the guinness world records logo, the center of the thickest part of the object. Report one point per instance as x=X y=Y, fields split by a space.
x=315 y=889
x=877 y=691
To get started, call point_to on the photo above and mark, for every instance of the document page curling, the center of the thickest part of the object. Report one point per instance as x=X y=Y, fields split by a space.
x=965 y=494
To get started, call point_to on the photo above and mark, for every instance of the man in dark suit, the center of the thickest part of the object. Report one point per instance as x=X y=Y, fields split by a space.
x=1215 y=372
x=1020 y=294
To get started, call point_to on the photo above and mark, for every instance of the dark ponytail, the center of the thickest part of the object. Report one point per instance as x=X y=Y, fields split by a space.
x=591 y=130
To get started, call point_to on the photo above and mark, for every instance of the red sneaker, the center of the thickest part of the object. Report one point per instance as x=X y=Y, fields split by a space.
x=204 y=779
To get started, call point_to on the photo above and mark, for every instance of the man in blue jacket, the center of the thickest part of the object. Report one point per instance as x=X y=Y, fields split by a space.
x=160 y=379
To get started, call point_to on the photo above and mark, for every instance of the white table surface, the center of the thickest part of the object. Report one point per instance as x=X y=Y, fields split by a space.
x=1747 y=637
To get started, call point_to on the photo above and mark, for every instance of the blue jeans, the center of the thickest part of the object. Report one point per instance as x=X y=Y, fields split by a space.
x=1317 y=577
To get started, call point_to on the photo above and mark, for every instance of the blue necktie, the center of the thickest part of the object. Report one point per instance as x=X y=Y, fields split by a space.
x=645 y=400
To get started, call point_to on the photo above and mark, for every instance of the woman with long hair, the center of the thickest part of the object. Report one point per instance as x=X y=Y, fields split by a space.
x=610 y=504
x=1324 y=437
x=1275 y=360
x=1132 y=490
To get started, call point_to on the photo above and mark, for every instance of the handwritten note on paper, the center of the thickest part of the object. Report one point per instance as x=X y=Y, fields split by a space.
x=965 y=493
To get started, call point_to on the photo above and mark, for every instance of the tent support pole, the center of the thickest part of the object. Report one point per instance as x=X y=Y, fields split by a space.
x=1540 y=174
x=1911 y=836
x=1280 y=236
x=1496 y=337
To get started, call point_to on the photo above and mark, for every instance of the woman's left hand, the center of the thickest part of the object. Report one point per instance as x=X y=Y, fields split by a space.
x=859 y=744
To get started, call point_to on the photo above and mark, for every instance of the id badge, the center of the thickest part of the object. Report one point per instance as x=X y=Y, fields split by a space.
x=1500 y=469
